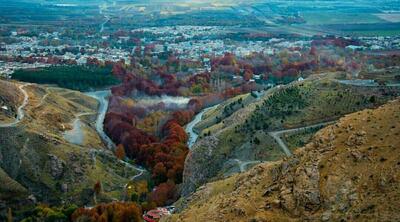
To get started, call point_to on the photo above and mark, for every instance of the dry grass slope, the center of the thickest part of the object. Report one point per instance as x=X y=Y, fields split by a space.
x=349 y=172
x=36 y=159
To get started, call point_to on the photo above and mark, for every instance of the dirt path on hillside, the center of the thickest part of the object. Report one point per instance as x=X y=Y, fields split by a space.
x=20 y=110
x=277 y=135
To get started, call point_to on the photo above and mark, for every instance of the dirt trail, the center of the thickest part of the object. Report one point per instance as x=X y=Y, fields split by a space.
x=20 y=111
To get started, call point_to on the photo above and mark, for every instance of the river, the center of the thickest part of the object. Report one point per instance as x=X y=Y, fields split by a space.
x=189 y=128
x=102 y=98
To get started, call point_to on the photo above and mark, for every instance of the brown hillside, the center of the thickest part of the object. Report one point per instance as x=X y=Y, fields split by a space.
x=349 y=172
x=37 y=161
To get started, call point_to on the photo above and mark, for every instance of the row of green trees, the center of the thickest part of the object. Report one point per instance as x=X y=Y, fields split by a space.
x=72 y=77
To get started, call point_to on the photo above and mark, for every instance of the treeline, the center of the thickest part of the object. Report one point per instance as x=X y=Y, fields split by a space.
x=72 y=77
x=115 y=211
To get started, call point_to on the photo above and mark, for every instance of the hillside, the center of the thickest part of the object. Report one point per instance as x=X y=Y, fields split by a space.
x=348 y=172
x=236 y=139
x=50 y=151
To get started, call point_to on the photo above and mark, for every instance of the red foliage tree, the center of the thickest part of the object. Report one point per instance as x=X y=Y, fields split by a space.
x=112 y=212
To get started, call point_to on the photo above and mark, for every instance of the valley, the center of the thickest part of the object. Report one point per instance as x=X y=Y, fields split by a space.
x=178 y=110
x=48 y=165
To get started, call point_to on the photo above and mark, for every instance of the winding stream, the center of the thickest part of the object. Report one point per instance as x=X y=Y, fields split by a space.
x=102 y=97
x=189 y=128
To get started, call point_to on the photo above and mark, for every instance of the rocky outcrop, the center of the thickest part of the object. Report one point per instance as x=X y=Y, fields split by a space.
x=201 y=154
x=56 y=166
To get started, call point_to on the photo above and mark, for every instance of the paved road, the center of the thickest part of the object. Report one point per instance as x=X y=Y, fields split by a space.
x=366 y=83
x=20 y=110
x=277 y=135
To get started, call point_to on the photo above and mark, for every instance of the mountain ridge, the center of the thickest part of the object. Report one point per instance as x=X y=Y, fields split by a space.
x=349 y=171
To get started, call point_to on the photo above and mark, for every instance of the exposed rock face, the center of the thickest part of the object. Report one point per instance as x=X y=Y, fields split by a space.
x=193 y=176
x=56 y=167
x=349 y=172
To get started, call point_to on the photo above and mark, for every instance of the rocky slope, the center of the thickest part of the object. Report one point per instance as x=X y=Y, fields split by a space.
x=242 y=134
x=38 y=163
x=349 y=172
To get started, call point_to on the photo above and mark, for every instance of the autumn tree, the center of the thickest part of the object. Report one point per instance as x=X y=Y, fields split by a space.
x=120 y=152
x=96 y=191
x=112 y=212
x=9 y=215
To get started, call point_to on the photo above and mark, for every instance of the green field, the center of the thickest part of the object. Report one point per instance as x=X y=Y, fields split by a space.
x=377 y=32
x=323 y=18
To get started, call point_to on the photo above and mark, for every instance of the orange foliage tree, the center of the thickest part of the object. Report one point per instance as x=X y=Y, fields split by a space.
x=112 y=212
x=120 y=152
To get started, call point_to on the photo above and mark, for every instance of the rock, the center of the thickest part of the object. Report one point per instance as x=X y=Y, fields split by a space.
x=56 y=166
x=353 y=197
x=269 y=190
x=288 y=202
x=257 y=219
x=356 y=139
x=276 y=203
x=238 y=211
x=306 y=187
x=275 y=173
x=356 y=155
x=64 y=187
x=326 y=216
x=32 y=198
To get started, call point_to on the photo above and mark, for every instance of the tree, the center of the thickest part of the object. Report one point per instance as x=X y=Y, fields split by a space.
x=159 y=172
x=112 y=212
x=9 y=215
x=257 y=141
x=134 y=197
x=120 y=152
x=97 y=191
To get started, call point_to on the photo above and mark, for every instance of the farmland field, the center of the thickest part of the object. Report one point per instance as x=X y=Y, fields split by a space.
x=321 y=18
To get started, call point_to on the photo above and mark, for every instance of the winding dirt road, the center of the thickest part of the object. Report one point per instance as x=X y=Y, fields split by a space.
x=76 y=135
x=277 y=135
x=20 y=110
x=243 y=164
